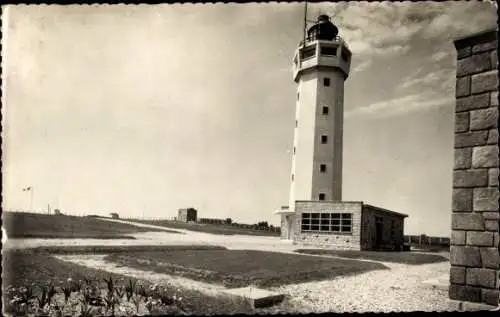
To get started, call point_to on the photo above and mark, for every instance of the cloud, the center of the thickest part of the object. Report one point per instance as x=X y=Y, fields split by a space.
x=418 y=80
x=388 y=28
x=399 y=106
x=428 y=78
x=439 y=56
x=362 y=66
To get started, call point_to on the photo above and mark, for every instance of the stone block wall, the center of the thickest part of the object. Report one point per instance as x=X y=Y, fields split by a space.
x=474 y=253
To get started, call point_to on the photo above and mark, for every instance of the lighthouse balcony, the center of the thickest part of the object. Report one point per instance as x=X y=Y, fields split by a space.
x=314 y=38
x=322 y=53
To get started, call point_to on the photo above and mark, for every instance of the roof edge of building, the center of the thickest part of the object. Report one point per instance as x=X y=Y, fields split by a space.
x=386 y=210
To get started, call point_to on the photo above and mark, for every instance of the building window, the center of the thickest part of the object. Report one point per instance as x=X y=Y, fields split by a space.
x=296 y=123
x=322 y=168
x=344 y=55
x=321 y=196
x=328 y=50
x=292 y=177
x=326 y=82
x=298 y=95
x=324 y=139
x=327 y=222
x=308 y=52
x=325 y=110
x=294 y=150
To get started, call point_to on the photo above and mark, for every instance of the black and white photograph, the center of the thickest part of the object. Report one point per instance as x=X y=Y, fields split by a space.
x=250 y=158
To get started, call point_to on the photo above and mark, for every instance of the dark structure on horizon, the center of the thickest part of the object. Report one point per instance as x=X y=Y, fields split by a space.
x=187 y=215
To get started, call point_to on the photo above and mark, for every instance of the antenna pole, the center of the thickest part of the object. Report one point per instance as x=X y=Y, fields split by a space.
x=305 y=22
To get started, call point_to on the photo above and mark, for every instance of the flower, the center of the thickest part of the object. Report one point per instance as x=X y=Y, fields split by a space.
x=15 y=299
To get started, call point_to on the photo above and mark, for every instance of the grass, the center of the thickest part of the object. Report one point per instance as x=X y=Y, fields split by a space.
x=240 y=268
x=208 y=228
x=25 y=268
x=394 y=257
x=30 y=225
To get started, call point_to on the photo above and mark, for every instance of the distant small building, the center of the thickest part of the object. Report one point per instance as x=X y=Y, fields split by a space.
x=57 y=212
x=187 y=214
x=114 y=215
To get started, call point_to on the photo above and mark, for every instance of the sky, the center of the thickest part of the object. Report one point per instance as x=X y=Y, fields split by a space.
x=143 y=109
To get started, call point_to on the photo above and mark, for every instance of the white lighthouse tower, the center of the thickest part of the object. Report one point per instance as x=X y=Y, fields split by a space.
x=320 y=66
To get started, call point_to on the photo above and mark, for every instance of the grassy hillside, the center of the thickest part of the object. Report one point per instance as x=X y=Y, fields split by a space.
x=30 y=225
x=207 y=228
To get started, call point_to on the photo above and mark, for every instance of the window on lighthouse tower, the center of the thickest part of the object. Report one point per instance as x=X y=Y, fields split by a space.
x=326 y=82
x=324 y=139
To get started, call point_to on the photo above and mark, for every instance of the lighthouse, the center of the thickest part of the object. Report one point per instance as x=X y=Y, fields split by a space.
x=320 y=67
x=316 y=215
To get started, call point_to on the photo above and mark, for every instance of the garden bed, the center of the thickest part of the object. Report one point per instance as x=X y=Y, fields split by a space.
x=411 y=258
x=240 y=268
x=88 y=290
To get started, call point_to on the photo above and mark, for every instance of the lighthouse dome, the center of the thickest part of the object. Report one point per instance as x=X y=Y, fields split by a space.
x=324 y=29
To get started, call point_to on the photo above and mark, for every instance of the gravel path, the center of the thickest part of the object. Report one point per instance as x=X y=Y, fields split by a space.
x=399 y=289
x=97 y=261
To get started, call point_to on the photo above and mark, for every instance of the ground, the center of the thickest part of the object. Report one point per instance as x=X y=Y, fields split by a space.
x=240 y=268
x=31 y=225
x=27 y=268
x=370 y=284
x=221 y=229
x=410 y=258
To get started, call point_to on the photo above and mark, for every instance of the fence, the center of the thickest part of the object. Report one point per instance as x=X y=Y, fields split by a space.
x=149 y=219
x=423 y=241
